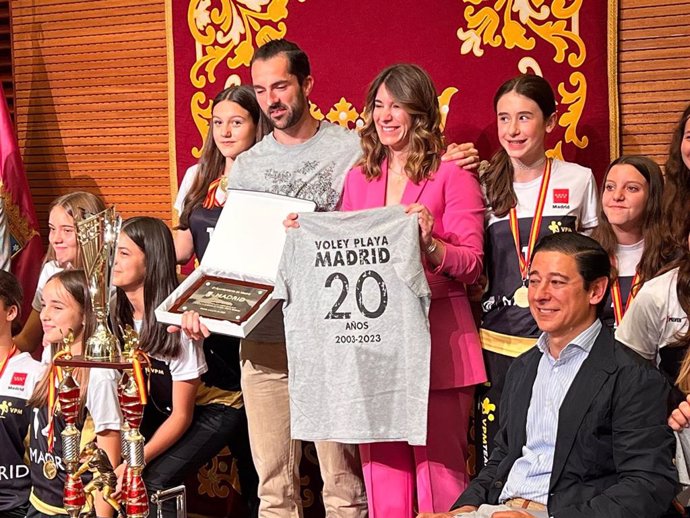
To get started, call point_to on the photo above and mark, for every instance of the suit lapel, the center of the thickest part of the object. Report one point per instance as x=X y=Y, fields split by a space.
x=376 y=190
x=413 y=192
x=521 y=401
x=595 y=370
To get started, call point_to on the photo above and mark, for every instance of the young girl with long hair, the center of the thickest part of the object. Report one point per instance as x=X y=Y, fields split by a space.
x=236 y=125
x=18 y=376
x=676 y=190
x=66 y=306
x=186 y=421
x=528 y=196
x=629 y=229
x=63 y=252
x=656 y=325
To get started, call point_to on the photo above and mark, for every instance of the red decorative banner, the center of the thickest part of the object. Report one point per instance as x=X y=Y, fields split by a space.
x=468 y=46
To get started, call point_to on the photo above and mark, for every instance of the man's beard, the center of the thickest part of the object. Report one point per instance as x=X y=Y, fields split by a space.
x=293 y=114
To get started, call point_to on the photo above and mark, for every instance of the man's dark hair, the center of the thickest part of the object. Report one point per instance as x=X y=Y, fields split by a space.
x=592 y=260
x=298 y=62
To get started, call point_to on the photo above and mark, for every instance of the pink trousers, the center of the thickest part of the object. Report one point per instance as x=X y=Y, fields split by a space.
x=398 y=475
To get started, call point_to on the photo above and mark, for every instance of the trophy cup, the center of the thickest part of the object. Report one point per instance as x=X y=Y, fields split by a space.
x=97 y=236
x=68 y=397
x=132 y=398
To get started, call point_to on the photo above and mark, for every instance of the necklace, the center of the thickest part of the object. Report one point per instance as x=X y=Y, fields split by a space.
x=400 y=173
x=518 y=164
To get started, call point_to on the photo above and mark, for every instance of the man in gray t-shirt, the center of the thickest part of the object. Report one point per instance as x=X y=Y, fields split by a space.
x=305 y=159
x=356 y=310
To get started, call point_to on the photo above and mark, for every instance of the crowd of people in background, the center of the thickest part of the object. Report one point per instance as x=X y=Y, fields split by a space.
x=573 y=379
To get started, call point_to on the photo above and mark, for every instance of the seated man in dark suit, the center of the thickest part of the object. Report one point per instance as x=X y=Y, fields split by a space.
x=583 y=430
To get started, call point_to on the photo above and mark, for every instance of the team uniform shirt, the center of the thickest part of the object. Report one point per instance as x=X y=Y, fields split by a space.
x=313 y=170
x=49 y=269
x=655 y=318
x=16 y=386
x=222 y=351
x=102 y=412
x=571 y=205
x=189 y=364
x=356 y=304
x=627 y=259
x=202 y=221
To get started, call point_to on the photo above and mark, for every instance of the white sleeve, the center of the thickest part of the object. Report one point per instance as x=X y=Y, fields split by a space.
x=642 y=326
x=589 y=215
x=185 y=186
x=191 y=363
x=47 y=354
x=101 y=399
x=36 y=372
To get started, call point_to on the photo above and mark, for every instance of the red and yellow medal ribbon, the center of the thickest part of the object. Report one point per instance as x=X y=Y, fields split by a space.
x=139 y=374
x=523 y=261
x=210 y=202
x=55 y=374
x=618 y=309
x=4 y=363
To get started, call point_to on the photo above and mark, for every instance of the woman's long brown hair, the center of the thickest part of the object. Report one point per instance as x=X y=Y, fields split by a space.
x=413 y=89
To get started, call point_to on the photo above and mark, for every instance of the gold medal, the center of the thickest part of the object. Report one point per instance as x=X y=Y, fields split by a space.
x=520 y=297
x=49 y=469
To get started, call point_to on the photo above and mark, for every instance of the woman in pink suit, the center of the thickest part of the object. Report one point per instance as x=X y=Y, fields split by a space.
x=402 y=145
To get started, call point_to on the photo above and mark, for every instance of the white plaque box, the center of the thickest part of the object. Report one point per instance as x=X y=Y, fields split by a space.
x=246 y=246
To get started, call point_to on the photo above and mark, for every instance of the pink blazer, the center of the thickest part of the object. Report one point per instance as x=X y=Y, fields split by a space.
x=454 y=198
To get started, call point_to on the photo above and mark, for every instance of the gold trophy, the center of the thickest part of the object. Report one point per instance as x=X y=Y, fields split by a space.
x=132 y=398
x=68 y=396
x=97 y=236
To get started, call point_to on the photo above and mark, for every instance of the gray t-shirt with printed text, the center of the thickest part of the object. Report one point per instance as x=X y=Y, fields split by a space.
x=356 y=303
x=314 y=170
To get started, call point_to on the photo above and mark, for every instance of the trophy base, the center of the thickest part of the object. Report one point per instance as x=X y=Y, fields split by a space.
x=83 y=361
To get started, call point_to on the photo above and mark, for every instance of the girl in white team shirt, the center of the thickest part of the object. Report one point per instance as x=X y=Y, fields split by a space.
x=656 y=325
x=66 y=305
x=518 y=177
x=18 y=375
x=628 y=229
x=63 y=253
x=186 y=422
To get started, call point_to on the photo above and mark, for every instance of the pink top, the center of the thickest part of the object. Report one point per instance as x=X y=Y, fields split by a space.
x=454 y=198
